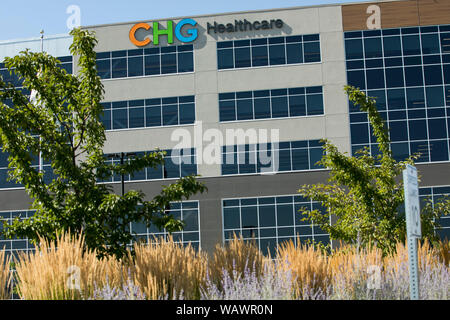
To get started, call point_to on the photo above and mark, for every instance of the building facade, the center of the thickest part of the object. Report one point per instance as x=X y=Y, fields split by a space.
x=243 y=100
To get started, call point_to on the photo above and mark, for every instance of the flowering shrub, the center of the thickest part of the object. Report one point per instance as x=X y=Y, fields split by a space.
x=273 y=284
x=129 y=291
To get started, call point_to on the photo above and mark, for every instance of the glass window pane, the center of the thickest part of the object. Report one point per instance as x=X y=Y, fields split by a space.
x=135 y=66
x=446 y=74
x=430 y=43
x=260 y=56
x=294 y=52
x=267 y=216
x=231 y=218
x=104 y=68
x=314 y=104
x=297 y=106
x=172 y=167
x=170 y=115
x=137 y=117
x=152 y=65
x=439 y=150
x=284 y=160
x=433 y=75
x=225 y=59
x=356 y=79
x=105 y=119
x=400 y=151
x=185 y=62
x=229 y=164
x=398 y=131
x=155 y=173
x=227 y=110
x=279 y=107
x=315 y=155
x=375 y=78
x=277 y=54
x=422 y=149
x=437 y=128
x=187 y=113
x=435 y=96
x=285 y=215
x=416 y=98
x=354 y=49
x=396 y=99
x=168 y=63
x=300 y=159
x=242 y=57
x=359 y=133
x=411 y=45
x=119 y=68
x=120 y=119
x=418 y=130
x=372 y=47
x=153 y=116
x=247 y=162
x=413 y=76
x=394 y=77
x=392 y=46
x=312 y=51
x=244 y=109
x=262 y=108
x=249 y=217
x=190 y=217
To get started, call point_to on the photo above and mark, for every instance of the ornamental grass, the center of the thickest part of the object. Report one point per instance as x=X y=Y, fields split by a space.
x=63 y=270
x=5 y=276
x=165 y=269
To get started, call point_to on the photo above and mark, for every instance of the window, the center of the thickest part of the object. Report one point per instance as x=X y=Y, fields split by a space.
x=268 y=51
x=177 y=163
x=407 y=71
x=276 y=103
x=148 y=113
x=270 y=221
x=145 y=62
x=284 y=156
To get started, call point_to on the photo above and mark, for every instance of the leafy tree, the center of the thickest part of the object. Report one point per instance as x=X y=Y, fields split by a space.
x=364 y=195
x=62 y=126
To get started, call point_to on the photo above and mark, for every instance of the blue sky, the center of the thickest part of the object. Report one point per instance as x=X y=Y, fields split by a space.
x=25 y=18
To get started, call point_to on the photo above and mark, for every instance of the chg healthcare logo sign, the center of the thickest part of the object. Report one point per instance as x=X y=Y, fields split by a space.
x=185 y=31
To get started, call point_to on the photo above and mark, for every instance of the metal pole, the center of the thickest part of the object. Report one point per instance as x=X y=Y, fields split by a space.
x=413 y=269
x=122 y=155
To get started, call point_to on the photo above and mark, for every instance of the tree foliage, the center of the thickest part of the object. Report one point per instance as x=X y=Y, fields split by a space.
x=364 y=197
x=62 y=126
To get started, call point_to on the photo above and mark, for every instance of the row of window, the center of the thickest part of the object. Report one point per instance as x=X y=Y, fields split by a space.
x=187 y=211
x=406 y=61
x=271 y=157
x=4 y=183
x=270 y=221
x=237 y=159
x=145 y=62
x=428 y=150
x=418 y=101
x=148 y=113
x=249 y=105
x=177 y=163
x=11 y=77
x=263 y=104
x=407 y=70
x=399 y=77
x=390 y=43
x=268 y=51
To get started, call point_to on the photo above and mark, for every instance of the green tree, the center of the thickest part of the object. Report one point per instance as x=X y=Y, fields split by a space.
x=62 y=126
x=364 y=196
